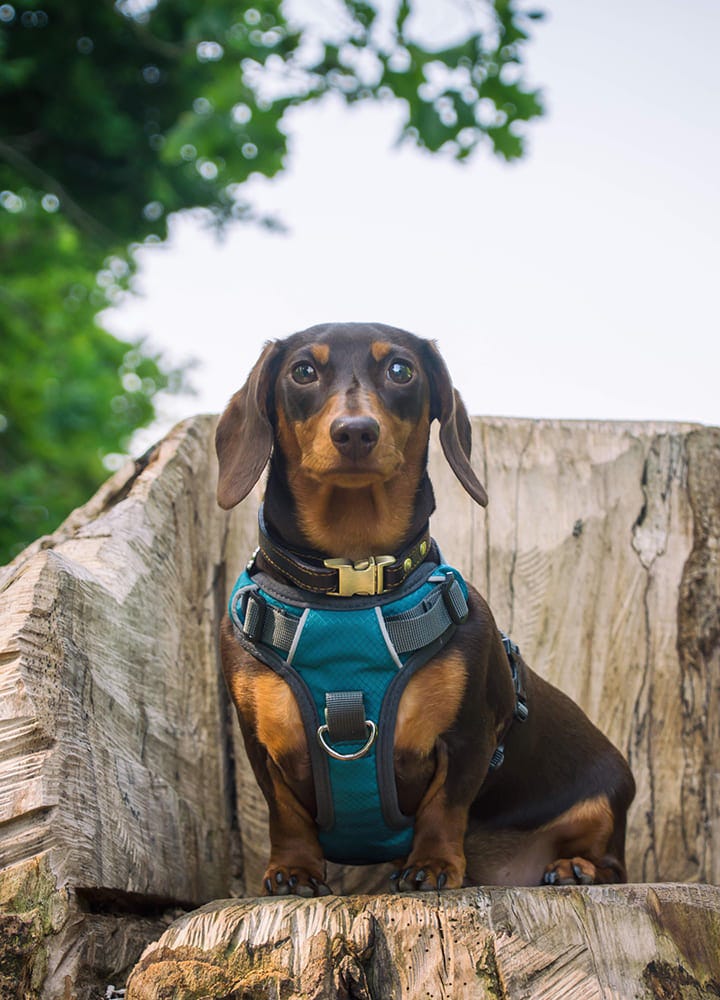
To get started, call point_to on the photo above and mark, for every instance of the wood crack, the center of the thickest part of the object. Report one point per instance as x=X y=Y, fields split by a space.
x=516 y=538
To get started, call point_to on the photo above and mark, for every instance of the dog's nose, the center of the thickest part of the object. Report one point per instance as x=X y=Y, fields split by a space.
x=355 y=437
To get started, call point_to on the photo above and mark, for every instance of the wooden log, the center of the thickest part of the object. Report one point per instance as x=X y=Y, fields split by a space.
x=116 y=782
x=120 y=784
x=475 y=944
x=598 y=553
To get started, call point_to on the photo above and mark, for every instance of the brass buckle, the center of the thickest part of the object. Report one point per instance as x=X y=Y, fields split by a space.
x=363 y=577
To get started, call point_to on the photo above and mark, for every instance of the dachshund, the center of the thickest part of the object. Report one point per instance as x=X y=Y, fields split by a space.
x=483 y=772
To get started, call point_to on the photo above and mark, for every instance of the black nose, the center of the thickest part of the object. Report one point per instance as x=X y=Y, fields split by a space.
x=355 y=437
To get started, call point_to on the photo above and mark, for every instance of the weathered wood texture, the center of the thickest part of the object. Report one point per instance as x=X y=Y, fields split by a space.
x=598 y=552
x=115 y=764
x=112 y=713
x=599 y=943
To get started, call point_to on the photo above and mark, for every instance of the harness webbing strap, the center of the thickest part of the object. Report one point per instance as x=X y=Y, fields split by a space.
x=411 y=630
x=512 y=651
x=265 y=623
x=345 y=716
x=418 y=627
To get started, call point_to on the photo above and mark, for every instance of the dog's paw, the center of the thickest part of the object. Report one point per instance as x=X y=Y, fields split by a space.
x=291 y=881
x=570 y=871
x=434 y=874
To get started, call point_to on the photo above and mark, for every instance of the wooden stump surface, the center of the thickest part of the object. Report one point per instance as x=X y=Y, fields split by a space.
x=494 y=944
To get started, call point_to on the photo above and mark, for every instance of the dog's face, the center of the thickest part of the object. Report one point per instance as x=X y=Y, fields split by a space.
x=346 y=405
x=352 y=408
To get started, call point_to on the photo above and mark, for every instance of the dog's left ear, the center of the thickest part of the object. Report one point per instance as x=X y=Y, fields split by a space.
x=455 y=431
x=244 y=435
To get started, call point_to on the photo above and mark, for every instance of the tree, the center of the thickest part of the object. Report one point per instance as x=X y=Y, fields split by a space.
x=116 y=115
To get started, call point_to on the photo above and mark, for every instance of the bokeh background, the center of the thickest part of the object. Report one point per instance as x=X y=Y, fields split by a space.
x=566 y=262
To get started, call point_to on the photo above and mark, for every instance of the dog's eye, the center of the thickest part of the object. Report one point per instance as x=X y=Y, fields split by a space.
x=304 y=373
x=400 y=371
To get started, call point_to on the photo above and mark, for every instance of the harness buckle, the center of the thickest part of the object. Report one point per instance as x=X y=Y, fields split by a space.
x=255 y=606
x=454 y=600
x=366 y=576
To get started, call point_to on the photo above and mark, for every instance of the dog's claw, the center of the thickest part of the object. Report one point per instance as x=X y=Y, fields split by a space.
x=580 y=876
x=406 y=883
x=423 y=879
x=299 y=882
x=570 y=871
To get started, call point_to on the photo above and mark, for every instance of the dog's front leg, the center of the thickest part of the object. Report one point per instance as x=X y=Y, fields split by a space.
x=450 y=771
x=437 y=858
x=296 y=864
x=275 y=743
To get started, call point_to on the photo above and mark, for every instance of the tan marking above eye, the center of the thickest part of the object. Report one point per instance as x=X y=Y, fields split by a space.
x=380 y=349
x=321 y=353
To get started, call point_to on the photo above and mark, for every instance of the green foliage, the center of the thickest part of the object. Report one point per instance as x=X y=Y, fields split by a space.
x=113 y=116
x=70 y=393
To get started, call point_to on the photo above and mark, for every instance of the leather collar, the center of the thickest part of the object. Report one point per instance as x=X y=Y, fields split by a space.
x=374 y=575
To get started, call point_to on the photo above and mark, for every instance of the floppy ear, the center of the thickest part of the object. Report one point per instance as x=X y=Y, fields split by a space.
x=455 y=431
x=244 y=435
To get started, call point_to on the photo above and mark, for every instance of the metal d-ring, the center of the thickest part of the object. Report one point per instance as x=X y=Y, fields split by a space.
x=372 y=729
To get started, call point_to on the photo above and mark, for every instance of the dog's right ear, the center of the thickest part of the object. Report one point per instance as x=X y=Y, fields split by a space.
x=244 y=435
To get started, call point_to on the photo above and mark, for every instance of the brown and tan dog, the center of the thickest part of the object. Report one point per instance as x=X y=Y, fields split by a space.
x=342 y=412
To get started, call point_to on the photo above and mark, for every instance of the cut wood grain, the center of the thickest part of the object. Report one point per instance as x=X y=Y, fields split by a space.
x=480 y=944
x=115 y=764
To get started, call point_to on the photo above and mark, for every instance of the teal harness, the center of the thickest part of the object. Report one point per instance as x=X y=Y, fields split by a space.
x=348 y=661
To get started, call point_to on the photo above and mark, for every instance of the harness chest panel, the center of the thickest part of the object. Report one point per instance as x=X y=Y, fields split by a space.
x=364 y=648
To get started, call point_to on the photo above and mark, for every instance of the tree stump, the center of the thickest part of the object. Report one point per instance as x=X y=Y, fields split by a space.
x=116 y=771
x=576 y=943
x=123 y=786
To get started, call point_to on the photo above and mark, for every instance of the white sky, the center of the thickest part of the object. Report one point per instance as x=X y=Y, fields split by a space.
x=580 y=283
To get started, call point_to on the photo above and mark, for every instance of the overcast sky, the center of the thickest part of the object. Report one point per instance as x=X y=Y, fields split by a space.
x=582 y=282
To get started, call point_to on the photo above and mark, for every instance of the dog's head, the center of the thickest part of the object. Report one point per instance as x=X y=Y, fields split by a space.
x=347 y=405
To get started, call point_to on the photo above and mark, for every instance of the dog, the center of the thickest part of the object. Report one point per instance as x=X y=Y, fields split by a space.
x=448 y=757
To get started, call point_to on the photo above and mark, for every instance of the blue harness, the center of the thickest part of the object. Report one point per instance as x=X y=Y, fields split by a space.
x=348 y=662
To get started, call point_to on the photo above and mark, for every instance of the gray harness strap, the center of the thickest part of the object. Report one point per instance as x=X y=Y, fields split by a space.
x=345 y=716
x=409 y=631
x=420 y=626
